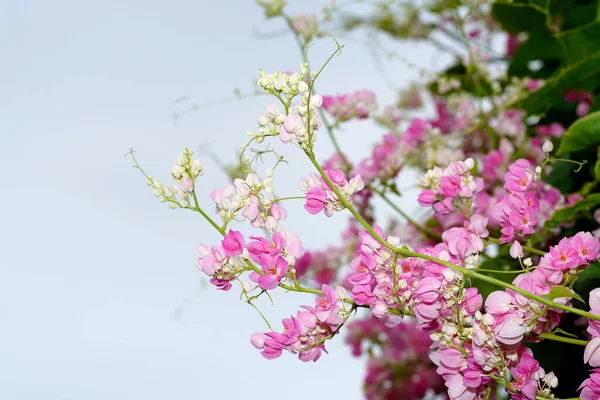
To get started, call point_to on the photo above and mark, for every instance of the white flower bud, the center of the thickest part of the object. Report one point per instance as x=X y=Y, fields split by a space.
x=316 y=100
x=302 y=87
x=488 y=319
x=551 y=379
x=176 y=171
x=547 y=146
x=280 y=82
x=527 y=262
x=470 y=163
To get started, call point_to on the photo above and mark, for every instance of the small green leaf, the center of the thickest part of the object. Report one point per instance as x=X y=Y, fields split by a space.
x=567 y=213
x=558 y=330
x=561 y=291
x=582 y=134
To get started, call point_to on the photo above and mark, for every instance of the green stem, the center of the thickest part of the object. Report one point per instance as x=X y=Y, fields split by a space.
x=563 y=339
x=328 y=126
x=287 y=198
x=300 y=289
x=209 y=219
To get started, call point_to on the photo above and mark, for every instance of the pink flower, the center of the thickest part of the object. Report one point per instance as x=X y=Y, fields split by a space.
x=498 y=303
x=450 y=185
x=586 y=246
x=591 y=354
x=591 y=386
x=316 y=199
x=519 y=177
x=516 y=250
x=595 y=298
x=462 y=243
x=428 y=290
x=524 y=375
x=510 y=331
x=233 y=243
x=477 y=225
x=426 y=198
x=278 y=212
x=274 y=269
x=186 y=185
x=457 y=390
x=563 y=256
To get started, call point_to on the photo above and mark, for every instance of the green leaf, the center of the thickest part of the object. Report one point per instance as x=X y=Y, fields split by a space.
x=561 y=291
x=555 y=87
x=517 y=16
x=582 y=134
x=565 y=214
x=565 y=333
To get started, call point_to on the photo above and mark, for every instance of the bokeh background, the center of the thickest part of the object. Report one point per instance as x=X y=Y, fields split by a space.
x=93 y=267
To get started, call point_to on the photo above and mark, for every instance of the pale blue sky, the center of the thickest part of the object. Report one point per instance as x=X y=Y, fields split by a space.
x=91 y=264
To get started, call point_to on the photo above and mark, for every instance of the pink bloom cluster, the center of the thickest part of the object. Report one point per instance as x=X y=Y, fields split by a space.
x=399 y=366
x=517 y=212
x=306 y=333
x=224 y=263
x=345 y=107
x=321 y=197
x=444 y=187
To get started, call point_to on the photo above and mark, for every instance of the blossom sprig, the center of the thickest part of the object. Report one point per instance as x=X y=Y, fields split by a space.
x=185 y=172
x=349 y=106
x=476 y=343
x=283 y=86
x=445 y=188
x=250 y=199
x=321 y=197
x=306 y=333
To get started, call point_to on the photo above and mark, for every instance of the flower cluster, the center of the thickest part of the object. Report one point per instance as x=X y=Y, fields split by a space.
x=498 y=203
x=185 y=171
x=306 y=333
x=302 y=121
x=284 y=85
x=320 y=196
x=276 y=258
x=444 y=187
x=253 y=198
x=345 y=107
x=525 y=204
